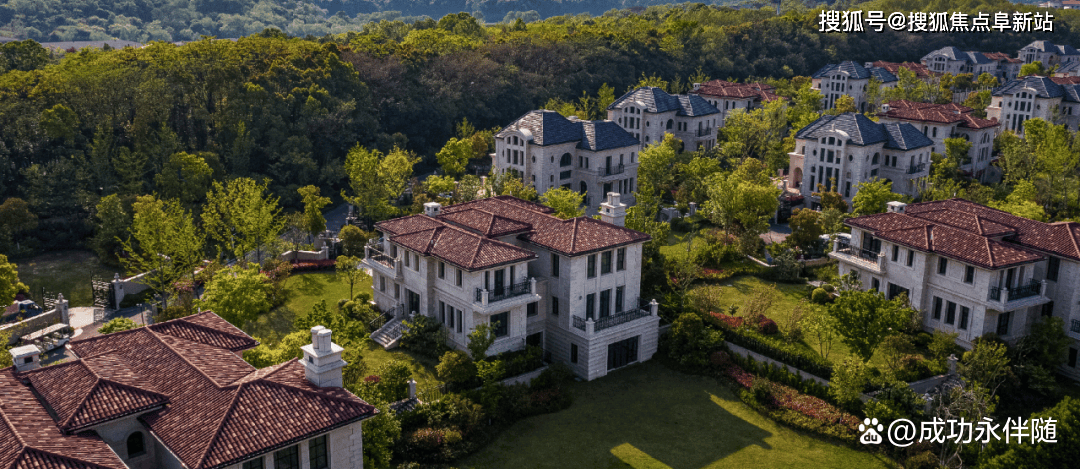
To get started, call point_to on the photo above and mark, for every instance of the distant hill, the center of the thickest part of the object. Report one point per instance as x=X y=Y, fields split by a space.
x=183 y=20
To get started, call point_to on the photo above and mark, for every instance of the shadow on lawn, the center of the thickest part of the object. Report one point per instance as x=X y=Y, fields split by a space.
x=723 y=435
x=308 y=285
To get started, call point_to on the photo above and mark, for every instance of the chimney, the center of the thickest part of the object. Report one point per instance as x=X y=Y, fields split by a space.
x=432 y=209
x=412 y=389
x=895 y=207
x=884 y=108
x=697 y=86
x=952 y=364
x=613 y=211
x=26 y=358
x=322 y=359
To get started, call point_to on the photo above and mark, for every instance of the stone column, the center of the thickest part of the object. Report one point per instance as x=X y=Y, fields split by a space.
x=484 y=297
x=118 y=290
x=653 y=307
x=590 y=327
x=62 y=307
x=952 y=364
x=412 y=389
x=532 y=284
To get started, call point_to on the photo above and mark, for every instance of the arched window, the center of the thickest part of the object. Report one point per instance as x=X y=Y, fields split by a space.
x=877 y=156
x=584 y=187
x=566 y=160
x=670 y=122
x=136 y=446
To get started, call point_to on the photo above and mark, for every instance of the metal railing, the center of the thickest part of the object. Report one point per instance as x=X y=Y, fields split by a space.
x=619 y=318
x=612 y=170
x=579 y=322
x=705 y=131
x=1017 y=293
x=380 y=257
x=917 y=168
x=850 y=250
x=509 y=291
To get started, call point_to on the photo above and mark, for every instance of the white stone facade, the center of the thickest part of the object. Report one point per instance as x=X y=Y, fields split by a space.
x=345 y=448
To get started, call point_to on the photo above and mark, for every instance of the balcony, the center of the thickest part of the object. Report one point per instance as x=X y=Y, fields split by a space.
x=917 y=168
x=705 y=132
x=485 y=297
x=873 y=261
x=590 y=326
x=1032 y=294
x=380 y=261
x=612 y=170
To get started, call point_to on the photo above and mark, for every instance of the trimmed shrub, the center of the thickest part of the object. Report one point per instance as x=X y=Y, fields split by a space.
x=774 y=347
x=424 y=335
x=118 y=325
x=820 y=296
x=768 y=326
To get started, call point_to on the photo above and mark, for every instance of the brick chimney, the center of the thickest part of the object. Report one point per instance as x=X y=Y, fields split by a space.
x=613 y=211
x=432 y=209
x=26 y=358
x=322 y=359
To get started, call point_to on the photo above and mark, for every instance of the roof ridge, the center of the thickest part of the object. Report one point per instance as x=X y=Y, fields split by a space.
x=989 y=250
x=182 y=357
x=220 y=424
x=98 y=384
x=306 y=391
x=82 y=402
x=14 y=431
x=27 y=449
x=198 y=326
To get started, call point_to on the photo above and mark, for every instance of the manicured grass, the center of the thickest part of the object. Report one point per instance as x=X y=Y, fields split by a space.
x=307 y=289
x=66 y=272
x=649 y=416
x=676 y=243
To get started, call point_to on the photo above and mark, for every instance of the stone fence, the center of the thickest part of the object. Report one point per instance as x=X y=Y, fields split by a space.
x=524 y=378
x=41 y=321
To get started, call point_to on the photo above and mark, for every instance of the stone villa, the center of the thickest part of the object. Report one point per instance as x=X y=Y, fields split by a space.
x=970 y=269
x=729 y=96
x=848 y=79
x=850 y=148
x=1036 y=97
x=648 y=113
x=942 y=121
x=569 y=286
x=178 y=395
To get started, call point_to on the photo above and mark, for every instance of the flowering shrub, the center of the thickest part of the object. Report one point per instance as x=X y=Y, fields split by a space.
x=732 y=322
x=308 y=266
x=372 y=379
x=767 y=326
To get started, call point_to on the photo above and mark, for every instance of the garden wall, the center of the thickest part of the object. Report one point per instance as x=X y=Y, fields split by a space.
x=524 y=378
x=35 y=323
x=763 y=359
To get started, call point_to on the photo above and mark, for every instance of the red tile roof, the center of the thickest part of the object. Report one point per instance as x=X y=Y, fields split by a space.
x=1065 y=80
x=921 y=71
x=929 y=236
x=463 y=234
x=29 y=437
x=1001 y=56
x=220 y=410
x=728 y=89
x=938 y=113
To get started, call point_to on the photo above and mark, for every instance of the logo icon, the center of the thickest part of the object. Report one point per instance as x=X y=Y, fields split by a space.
x=870 y=429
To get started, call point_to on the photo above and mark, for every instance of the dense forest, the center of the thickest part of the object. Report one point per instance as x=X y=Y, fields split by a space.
x=76 y=127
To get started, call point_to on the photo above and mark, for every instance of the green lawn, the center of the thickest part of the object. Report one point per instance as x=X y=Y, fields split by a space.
x=307 y=289
x=66 y=272
x=650 y=417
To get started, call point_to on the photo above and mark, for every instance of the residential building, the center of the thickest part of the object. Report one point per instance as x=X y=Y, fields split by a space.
x=1048 y=53
x=178 y=395
x=850 y=79
x=569 y=286
x=954 y=61
x=728 y=96
x=921 y=72
x=649 y=112
x=549 y=150
x=942 y=121
x=971 y=269
x=1071 y=69
x=1008 y=68
x=847 y=149
x=1035 y=97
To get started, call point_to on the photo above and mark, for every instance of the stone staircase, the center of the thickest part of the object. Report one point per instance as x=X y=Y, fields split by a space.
x=389 y=334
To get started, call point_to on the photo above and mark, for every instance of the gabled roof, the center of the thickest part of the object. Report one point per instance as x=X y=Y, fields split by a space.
x=1066 y=68
x=551 y=128
x=727 y=89
x=978 y=58
x=656 y=100
x=1043 y=46
x=882 y=74
x=904 y=136
x=936 y=113
x=219 y=410
x=582 y=235
x=949 y=52
x=29 y=437
x=851 y=69
x=1002 y=57
x=921 y=71
x=1067 y=50
x=467 y=250
x=1043 y=87
x=859 y=128
x=486 y=223
x=1065 y=80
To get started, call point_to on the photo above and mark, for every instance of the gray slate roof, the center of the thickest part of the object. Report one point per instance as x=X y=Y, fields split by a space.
x=656 y=100
x=551 y=128
x=1067 y=50
x=852 y=69
x=1044 y=46
x=1068 y=67
x=978 y=58
x=1043 y=86
x=882 y=75
x=954 y=53
x=862 y=131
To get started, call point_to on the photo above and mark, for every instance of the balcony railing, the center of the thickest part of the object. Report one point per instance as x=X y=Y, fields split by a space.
x=917 y=168
x=612 y=170
x=850 y=250
x=509 y=291
x=619 y=318
x=579 y=322
x=380 y=257
x=1017 y=293
x=705 y=131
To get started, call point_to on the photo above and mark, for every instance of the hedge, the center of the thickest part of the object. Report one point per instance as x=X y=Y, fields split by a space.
x=774 y=348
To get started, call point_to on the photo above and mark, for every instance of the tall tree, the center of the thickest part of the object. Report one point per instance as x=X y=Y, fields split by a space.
x=238 y=295
x=113 y=217
x=567 y=203
x=185 y=178
x=454 y=156
x=377 y=180
x=873 y=196
x=242 y=218
x=743 y=201
x=865 y=318
x=163 y=243
x=9 y=282
x=314 y=221
x=349 y=269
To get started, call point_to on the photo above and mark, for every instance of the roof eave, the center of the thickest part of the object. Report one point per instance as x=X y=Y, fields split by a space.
x=290 y=442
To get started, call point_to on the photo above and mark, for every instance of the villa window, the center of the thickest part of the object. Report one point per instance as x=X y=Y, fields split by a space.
x=458 y=277
x=605 y=262
x=554 y=306
x=969 y=274
x=382 y=283
x=620 y=294
x=256 y=463
x=591 y=271
x=573 y=353
x=532 y=309
x=442 y=270
x=950 y=313
x=460 y=321
x=964 y=313
x=397 y=290
x=288 y=458
x=1072 y=357
x=942 y=265
x=1048 y=309
x=500 y=324
x=895 y=253
x=136 y=445
x=1003 y=323
x=1052 y=268
x=620 y=259
x=590 y=306
x=605 y=303
x=910 y=257
x=317 y=454
x=937 y=308
x=555 y=265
